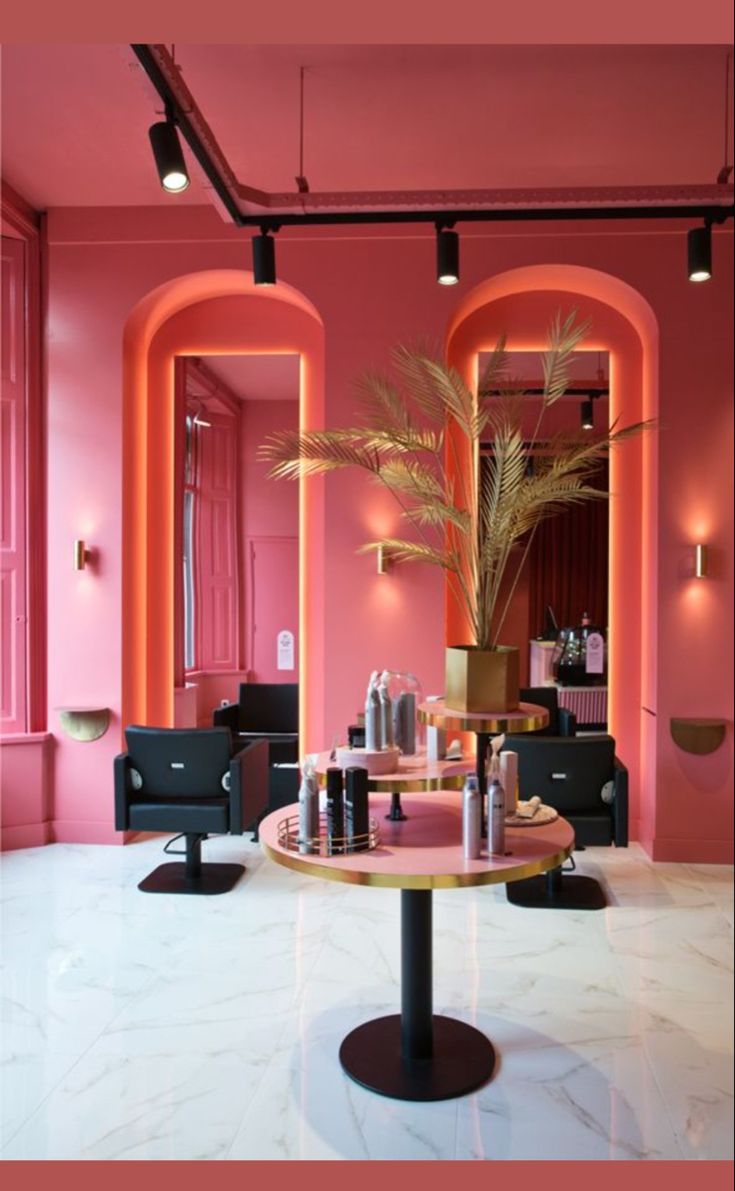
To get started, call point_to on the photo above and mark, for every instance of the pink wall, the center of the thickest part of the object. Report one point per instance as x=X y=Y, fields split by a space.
x=371 y=292
x=269 y=509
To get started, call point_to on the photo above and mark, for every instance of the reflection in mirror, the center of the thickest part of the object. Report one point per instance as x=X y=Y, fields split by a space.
x=237 y=593
x=564 y=581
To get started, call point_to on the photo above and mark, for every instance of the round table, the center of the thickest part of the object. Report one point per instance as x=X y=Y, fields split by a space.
x=415 y=773
x=528 y=717
x=418 y=1055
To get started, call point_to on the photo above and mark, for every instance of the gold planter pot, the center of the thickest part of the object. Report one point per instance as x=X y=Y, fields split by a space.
x=482 y=679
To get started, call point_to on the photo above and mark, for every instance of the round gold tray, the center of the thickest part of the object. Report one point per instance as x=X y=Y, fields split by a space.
x=288 y=837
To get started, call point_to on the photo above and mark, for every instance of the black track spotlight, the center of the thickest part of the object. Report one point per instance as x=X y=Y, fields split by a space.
x=587 y=412
x=169 y=157
x=699 y=253
x=264 y=259
x=447 y=256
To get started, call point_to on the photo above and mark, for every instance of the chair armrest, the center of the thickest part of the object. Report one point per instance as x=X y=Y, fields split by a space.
x=227 y=717
x=620 y=805
x=567 y=722
x=248 y=786
x=122 y=792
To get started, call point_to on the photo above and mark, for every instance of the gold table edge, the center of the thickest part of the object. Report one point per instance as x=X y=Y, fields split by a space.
x=418 y=880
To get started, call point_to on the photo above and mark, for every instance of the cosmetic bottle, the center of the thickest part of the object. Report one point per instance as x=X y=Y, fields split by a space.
x=496 y=818
x=335 y=811
x=386 y=711
x=406 y=704
x=373 y=718
x=308 y=810
x=471 y=814
x=357 y=824
x=509 y=779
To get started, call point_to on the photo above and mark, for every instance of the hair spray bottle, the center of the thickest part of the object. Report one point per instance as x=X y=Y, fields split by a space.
x=471 y=819
x=496 y=818
x=308 y=810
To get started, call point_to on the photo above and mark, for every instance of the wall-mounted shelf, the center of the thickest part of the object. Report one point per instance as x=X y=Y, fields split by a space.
x=84 y=723
x=696 y=735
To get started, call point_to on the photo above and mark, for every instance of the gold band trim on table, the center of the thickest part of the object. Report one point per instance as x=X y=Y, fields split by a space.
x=458 y=721
x=390 y=784
x=499 y=876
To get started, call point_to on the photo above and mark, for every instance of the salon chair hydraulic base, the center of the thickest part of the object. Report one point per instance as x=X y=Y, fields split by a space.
x=552 y=891
x=191 y=876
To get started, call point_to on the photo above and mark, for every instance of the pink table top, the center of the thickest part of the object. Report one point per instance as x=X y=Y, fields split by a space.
x=528 y=717
x=414 y=773
x=425 y=851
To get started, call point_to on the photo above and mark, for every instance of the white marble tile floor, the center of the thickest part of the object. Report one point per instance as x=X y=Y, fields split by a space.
x=160 y=1027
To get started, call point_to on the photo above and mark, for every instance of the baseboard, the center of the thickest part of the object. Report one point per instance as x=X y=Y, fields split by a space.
x=70 y=831
x=27 y=835
x=692 y=851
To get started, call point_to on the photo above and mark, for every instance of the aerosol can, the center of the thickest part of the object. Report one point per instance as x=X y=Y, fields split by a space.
x=308 y=809
x=471 y=819
x=496 y=818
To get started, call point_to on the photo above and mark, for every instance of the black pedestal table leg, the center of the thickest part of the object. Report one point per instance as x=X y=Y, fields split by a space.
x=396 y=814
x=417 y=1055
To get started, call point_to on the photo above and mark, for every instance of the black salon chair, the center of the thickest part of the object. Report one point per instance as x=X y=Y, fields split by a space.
x=586 y=783
x=562 y=721
x=186 y=780
x=265 y=711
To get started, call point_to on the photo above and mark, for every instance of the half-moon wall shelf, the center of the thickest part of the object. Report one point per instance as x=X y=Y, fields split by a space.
x=84 y=723
x=697 y=735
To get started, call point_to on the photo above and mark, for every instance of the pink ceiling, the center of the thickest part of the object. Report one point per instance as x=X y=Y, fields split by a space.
x=75 y=117
x=258 y=378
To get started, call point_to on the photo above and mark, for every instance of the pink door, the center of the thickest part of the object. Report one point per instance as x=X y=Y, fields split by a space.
x=274 y=609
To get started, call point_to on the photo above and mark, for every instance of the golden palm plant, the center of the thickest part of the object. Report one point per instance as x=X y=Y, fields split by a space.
x=466 y=518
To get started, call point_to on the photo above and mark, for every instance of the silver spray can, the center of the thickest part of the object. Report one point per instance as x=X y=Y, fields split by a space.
x=471 y=819
x=373 y=718
x=308 y=810
x=496 y=818
x=386 y=711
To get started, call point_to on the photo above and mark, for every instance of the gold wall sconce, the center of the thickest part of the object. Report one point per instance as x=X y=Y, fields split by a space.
x=82 y=554
x=384 y=560
x=700 y=561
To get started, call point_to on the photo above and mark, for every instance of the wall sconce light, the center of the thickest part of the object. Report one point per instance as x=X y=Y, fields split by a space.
x=700 y=561
x=82 y=555
x=384 y=560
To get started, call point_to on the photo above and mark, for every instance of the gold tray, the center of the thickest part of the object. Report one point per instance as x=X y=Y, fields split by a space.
x=320 y=845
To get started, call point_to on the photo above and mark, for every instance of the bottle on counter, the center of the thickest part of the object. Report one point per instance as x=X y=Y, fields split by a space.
x=386 y=711
x=357 y=822
x=373 y=716
x=335 y=811
x=496 y=818
x=471 y=819
x=308 y=810
x=509 y=779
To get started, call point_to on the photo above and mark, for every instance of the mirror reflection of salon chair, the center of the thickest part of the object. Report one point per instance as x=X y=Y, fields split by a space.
x=186 y=780
x=583 y=780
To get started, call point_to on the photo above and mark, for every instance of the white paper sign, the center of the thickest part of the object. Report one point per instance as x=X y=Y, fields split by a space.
x=285 y=650
x=595 y=654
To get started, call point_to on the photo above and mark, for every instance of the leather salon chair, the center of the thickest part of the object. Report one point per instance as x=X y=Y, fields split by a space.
x=187 y=781
x=562 y=721
x=581 y=777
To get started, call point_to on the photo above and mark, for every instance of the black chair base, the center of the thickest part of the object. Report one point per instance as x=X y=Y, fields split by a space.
x=556 y=892
x=211 y=879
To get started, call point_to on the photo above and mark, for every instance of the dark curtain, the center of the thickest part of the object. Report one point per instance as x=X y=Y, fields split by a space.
x=568 y=564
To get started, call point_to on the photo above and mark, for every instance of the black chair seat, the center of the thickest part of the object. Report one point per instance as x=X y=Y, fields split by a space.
x=210 y=817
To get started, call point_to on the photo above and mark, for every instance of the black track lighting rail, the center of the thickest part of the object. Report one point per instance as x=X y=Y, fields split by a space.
x=174 y=110
x=711 y=213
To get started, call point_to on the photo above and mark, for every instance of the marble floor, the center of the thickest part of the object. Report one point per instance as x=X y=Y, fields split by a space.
x=159 y=1027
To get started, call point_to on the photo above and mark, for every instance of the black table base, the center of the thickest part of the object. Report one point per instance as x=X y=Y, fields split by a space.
x=417 y=1056
x=552 y=891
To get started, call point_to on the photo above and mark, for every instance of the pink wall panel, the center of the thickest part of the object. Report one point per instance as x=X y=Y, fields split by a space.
x=26 y=790
x=13 y=519
x=372 y=292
